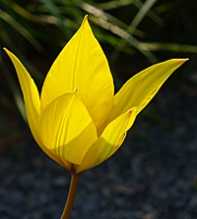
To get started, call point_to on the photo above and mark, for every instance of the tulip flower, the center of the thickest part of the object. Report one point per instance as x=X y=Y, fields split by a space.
x=77 y=120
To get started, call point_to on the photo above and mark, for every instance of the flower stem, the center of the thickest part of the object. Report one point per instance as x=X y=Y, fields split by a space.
x=71 y=195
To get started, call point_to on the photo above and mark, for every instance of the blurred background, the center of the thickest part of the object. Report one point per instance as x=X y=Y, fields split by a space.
x=154 y=175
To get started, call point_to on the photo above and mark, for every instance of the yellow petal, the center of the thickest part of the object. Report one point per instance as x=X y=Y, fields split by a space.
x=30 y=93
x=109 y=142
x=32 y=102
x=141 y=88
x=54 y=157
x=66 y=128
x=81 y=66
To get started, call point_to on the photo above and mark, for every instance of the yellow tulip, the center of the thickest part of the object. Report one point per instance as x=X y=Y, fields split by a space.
x=77 y=120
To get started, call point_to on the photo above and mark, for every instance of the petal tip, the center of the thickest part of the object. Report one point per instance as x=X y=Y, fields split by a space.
x=85 y=23
x=183 y=60
x=6 y=50
x=85 y=19
x=180 y=60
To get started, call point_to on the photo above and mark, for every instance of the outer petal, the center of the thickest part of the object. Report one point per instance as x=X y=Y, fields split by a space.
x=32 y=102
x=82 y=66
x=109 y=142
x=30 y=93
x=66 y=128
x=141 y=88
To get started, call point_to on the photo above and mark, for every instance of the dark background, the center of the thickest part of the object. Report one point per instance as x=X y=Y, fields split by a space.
x=154 y=174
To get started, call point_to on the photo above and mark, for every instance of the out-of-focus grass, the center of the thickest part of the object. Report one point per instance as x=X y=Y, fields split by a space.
x=31 y=21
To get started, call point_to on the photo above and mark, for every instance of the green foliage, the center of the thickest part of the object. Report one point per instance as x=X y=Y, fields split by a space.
x=32 y=23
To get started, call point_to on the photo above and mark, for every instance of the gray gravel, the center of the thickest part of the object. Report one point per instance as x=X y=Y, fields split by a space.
x=153 y=176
